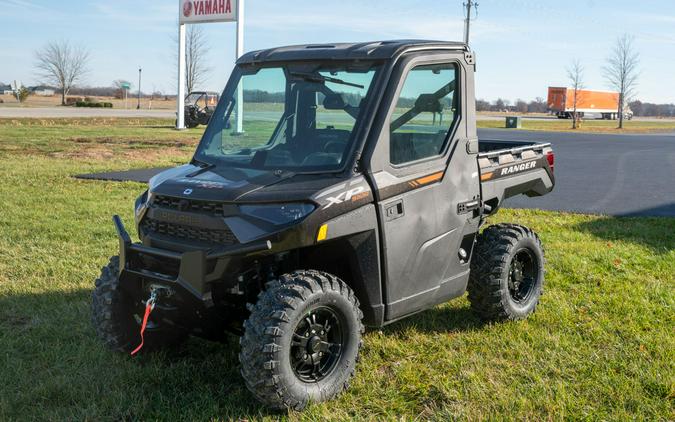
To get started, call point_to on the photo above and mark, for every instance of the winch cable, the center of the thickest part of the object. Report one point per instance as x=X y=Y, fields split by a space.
x=149 y=306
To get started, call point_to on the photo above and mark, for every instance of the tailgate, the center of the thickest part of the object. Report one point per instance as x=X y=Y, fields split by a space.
x=510 y=168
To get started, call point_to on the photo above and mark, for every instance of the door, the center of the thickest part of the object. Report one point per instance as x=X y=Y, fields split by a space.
x=426 y=187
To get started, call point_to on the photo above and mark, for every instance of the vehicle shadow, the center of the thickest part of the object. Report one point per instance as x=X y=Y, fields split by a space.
x=659 y=237
x=444 y=318
x=55 y=367
x=54 y=364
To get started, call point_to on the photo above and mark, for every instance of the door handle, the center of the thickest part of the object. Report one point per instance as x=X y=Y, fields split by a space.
x=468 y=206
x=394 y=211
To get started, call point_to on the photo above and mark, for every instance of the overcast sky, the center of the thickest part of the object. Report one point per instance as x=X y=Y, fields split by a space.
x=522 y=46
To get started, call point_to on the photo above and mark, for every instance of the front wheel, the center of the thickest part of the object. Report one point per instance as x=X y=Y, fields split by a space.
x=301 y=341
x=507 y=273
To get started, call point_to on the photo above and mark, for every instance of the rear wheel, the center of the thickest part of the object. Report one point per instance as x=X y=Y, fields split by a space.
x=302 y=340
x=507 y=273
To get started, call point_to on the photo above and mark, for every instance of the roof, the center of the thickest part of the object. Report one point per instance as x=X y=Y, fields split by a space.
x=376 y=50
x=41 y=88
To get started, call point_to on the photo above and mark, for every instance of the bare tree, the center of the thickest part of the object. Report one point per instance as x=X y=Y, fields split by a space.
x=621 y=71
x=575 y=74
x=195 y=57
x=121 y=86
x=62 y=65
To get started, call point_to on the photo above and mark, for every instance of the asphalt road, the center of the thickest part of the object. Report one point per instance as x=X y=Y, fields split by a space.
x=74 y=112
x=622 y=175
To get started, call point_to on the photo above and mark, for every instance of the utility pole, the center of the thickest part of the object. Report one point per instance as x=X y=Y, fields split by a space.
x=467 y=20
x=138 y=107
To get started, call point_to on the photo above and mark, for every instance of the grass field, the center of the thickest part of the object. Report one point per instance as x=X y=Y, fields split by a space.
x=601 y=126
x=600 y=347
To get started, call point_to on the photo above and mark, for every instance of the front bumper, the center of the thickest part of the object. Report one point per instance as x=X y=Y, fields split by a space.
x=196 y=269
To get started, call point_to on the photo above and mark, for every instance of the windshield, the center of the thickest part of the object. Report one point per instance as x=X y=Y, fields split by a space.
x=296 y=119
x=192 y=98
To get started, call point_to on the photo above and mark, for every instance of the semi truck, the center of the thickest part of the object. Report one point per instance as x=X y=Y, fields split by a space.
x=603 y=103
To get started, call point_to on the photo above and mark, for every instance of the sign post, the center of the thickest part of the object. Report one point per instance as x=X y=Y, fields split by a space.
x=180 y=98
x=239 y=128
x=203 y=11
x=125 y=86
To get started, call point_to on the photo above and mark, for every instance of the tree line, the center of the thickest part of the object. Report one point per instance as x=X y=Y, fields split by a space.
x=64 y=67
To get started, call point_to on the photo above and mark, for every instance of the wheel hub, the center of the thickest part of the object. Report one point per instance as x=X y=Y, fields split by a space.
x=316 y=346
x=523 y=273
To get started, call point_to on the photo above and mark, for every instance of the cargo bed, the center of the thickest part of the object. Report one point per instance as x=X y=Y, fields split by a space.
x=510 y=168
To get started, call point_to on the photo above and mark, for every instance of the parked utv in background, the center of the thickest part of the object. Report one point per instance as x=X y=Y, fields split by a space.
x=199 y=107
x=353 y=196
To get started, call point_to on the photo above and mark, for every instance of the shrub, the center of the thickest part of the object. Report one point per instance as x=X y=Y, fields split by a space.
x=23 y=94
x=74 y=100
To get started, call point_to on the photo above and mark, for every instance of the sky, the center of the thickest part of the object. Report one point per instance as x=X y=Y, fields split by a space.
x=522 y=46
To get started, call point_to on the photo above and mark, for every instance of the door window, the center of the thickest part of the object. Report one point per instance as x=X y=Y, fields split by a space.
x=425 y=113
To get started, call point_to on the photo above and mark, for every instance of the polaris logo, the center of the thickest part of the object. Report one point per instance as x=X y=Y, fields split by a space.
x=518 y=168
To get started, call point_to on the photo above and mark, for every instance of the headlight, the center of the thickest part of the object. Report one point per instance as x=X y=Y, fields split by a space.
x=278 y=213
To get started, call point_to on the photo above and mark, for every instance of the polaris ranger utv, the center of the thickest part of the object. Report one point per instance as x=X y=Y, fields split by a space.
x=354 y=196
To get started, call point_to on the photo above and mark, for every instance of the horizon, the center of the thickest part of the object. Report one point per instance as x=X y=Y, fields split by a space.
x=524 y=40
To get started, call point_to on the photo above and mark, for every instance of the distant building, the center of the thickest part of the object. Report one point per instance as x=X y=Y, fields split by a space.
x=42 y=90
x=6 y=89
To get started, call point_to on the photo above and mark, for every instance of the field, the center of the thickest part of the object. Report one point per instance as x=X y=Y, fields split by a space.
x=55 y=101
x=604 y=126
x=600 y=347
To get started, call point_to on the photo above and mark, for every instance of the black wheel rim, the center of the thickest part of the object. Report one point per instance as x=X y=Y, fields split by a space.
x=317 y=345
x=523 y=273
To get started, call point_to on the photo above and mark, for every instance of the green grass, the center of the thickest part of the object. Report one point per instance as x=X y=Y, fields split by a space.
x=601 y=345
x=600 y=126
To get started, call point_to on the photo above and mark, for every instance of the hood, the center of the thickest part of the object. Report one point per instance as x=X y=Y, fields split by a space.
x=232 y=184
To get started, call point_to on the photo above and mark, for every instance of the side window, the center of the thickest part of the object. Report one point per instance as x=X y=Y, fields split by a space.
x=425 y=112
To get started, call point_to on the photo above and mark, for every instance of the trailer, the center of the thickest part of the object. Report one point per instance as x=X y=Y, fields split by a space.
x=603 y=103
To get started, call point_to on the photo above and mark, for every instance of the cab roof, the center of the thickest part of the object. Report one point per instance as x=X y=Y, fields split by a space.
x=376 y=50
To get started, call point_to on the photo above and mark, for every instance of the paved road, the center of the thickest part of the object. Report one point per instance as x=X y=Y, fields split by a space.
x=604 y=173
x=73 y=112
x=620 y=175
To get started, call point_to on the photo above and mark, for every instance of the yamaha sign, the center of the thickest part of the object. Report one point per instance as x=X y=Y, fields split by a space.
x=203 y=11
x=198 y=11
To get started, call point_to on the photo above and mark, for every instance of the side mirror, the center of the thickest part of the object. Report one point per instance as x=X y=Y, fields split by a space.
x=334 y=102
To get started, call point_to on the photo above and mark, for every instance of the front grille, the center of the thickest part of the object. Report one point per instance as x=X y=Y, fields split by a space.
x=179 y=231
x=188 y=205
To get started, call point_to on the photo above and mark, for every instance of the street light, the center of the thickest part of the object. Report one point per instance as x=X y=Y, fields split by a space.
x=138 y=107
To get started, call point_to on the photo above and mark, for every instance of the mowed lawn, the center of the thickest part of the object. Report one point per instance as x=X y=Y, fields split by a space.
x=601 y=345
x=590 y=125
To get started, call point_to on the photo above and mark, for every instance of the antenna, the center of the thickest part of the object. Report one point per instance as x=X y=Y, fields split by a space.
x=467 y=20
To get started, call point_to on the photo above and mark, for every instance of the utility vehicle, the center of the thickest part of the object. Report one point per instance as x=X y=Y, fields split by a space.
x=354 y=196
x=199 y=107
